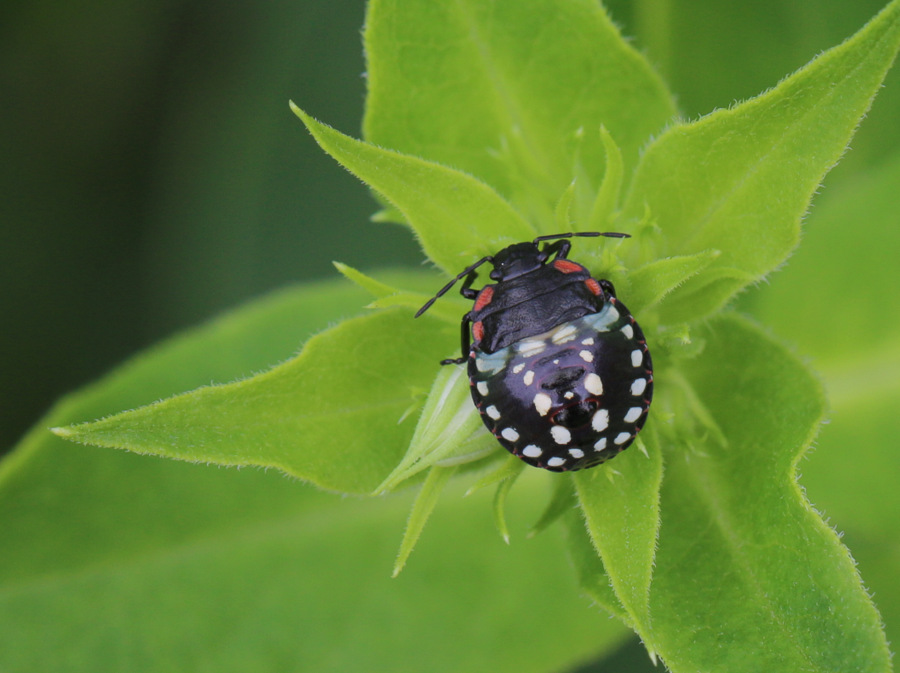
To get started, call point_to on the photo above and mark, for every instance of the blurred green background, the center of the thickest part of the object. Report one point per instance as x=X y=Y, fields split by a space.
x=153 y=176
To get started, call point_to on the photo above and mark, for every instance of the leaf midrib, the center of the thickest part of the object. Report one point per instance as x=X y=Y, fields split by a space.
x=706 y=489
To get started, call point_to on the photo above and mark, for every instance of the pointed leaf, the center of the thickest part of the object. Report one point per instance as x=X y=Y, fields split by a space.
x=449 y=428
x=591 y=574
x=374 y=287
x=741 y=551
x=110 y=558
x=620 y=502
x=503 y=489
x=653 y=282
x=607 y=198
x=501 y=89
x=456 y=217
x=846 y=322
x=329 y=416
x=422 y=508
x=740 y=180
x=508 y=468
x=561 y=502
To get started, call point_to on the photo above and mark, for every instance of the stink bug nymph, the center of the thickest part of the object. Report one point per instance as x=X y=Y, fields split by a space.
x=558 y=368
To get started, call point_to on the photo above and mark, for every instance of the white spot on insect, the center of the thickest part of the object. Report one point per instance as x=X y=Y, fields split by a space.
x=556 y=461
x=576 y=453
x=628 y=331
x=560 y=434
x=638 y=386
x=482 y=388
x=532 y=451
x=556 y=362
x=519 y=367
x=622 y=437
x=637 y=357
x=593 y=384
x=600 y=444
x=587 y=356
x=564 y=334
x=529 y=348
x=633 y=414
x=569 y=395
x=491 y=362
x=602 y=321
x=509 y=434
x=600 y=420
x=542 y=403
x=528 y=378
x=587 y=342
x=493 y=412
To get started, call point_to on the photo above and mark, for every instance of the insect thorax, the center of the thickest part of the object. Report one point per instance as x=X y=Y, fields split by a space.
x=531 y=305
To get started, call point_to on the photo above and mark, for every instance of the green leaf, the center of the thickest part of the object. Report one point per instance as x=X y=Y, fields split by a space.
x=374 y=287
x=449 y=430
x=740 y=180
x=456 y=217
x=331 y=416
x=607 y=198
x=561 y=502
x=422 y=508
x=507 y=469
x=838 y=295
x=513 y=93
x=837 y=298
x=653 y=282
x=388 y=296
x=503 y=489
x=591 y=574
x=235 y=345
x=748 y=577
x=110 y=558
x=853 y=479
x=620 y=502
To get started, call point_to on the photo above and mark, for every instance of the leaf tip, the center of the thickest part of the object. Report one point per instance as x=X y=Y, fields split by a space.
x=295 y=109
x=65 y=431
x=642 y=448
x=310 y=122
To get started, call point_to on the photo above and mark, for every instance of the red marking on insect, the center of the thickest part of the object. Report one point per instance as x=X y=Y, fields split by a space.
x=484 y=298
x=593 y=286
x=566 y=266
x=478 y=331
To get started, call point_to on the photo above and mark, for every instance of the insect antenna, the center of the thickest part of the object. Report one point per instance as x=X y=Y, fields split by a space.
x=465 y=272
x=609 y=234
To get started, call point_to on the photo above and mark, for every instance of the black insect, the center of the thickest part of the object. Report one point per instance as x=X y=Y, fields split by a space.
x=558 y=367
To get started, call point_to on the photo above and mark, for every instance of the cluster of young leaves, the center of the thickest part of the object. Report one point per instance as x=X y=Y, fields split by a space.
x=487 y=124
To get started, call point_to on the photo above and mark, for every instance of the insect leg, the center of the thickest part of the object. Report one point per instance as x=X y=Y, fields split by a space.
x=560 y=247
x=466 y=289
x=464 y=343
